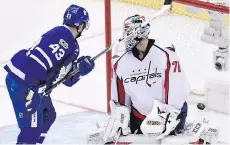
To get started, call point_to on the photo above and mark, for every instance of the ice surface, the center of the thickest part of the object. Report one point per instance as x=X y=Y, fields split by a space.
x=73 y=128
x=196 y=56
x=68 y=129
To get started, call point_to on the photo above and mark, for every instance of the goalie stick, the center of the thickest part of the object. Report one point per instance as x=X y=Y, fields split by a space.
x=135 y=30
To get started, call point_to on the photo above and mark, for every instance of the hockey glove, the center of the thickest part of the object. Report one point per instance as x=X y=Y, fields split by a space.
x=73 y=80
x=161 y=121
x=85 y=64
x=153 y=125
x=34 y=98
x=171 y=121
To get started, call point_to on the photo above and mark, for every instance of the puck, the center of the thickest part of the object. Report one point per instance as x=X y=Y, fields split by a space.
x=200 y=106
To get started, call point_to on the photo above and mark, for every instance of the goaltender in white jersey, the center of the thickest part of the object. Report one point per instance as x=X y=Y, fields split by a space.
x=138 y=79
x=148 y=79
x=149 y=89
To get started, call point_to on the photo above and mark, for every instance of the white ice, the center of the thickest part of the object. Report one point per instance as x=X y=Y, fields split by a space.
x=22 y=23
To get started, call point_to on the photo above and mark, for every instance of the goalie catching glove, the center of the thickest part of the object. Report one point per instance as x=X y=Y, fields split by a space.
x=161 y=121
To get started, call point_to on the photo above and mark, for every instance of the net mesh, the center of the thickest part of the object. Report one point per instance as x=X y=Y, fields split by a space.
x=187 y=41
x=182 y=9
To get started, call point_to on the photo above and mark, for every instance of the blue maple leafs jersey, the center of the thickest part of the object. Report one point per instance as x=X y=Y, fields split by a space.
x=44 y=60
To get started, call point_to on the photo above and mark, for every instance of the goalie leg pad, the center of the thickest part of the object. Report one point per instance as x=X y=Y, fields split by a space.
x=203 y=131
x=119 y=119
x=210 y=134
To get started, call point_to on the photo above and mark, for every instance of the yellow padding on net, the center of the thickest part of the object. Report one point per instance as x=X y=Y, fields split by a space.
x=177 y=8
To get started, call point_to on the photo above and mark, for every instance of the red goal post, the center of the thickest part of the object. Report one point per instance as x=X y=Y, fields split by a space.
x=179 y=7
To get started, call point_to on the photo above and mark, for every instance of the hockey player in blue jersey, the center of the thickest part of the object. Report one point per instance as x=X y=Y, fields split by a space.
x=31 y=71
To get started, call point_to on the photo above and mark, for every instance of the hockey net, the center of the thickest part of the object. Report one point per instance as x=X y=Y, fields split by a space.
x=196 y=10
x=181 y=7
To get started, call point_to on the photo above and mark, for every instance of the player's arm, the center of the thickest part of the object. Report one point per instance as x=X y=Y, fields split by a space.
x=176 y=91
x=67 y=67
x=118 y=92
x=176 y=87
x=85 y=64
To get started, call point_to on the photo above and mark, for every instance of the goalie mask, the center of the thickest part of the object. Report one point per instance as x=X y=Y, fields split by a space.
x=129 y=24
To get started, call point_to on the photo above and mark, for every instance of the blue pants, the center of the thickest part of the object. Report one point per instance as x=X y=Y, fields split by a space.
x=33 y=127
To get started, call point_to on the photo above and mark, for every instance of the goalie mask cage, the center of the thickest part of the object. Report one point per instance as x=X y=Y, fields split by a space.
x=179 y=7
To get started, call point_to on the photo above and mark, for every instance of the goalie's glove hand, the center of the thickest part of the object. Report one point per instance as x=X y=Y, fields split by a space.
x=161 y=121
x=85 y=64
x=171 y=121
x=34 y=98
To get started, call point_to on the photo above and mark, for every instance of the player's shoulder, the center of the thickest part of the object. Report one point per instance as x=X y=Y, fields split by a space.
x=121 y=60
x=164 y=45
x=60 y=32
x=166 y=48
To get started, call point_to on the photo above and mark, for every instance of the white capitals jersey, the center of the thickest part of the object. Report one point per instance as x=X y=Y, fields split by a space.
x=136 y=83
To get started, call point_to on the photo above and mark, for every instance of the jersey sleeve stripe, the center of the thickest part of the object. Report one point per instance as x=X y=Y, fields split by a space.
x=34 y=120
x=121 y=91
x=38 y=60
x=166 y=80
x=43 y=134
x=16 y=71
x=115 y=68
x=46 y=56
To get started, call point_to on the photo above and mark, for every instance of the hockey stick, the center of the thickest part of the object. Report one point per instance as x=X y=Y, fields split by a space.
x=72 y=73
x=162 y=10
x=136 y=29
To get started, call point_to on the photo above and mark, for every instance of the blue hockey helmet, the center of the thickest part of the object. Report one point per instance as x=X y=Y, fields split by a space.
x=75 y=16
